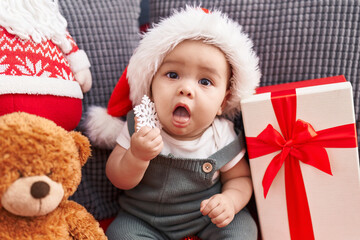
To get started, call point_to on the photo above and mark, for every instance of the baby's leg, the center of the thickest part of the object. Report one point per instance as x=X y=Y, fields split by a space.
x=243 y=227
x=128 y=227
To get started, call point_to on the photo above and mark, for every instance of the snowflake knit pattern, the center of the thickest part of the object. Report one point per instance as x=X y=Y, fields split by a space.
x=24 y=57
x=146 y=114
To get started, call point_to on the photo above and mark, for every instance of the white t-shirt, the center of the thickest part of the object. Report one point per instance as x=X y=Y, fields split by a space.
x=218 y=135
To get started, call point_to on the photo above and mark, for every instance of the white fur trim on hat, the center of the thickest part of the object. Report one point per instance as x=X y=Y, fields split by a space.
x=193 y=23
x=101 y=128
x=39 y=86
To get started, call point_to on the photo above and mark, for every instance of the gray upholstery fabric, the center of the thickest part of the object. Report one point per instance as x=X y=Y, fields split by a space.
x=295 y=40
x=108 y=31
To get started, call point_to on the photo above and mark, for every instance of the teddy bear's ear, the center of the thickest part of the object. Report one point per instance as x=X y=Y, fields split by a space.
x=83 y=146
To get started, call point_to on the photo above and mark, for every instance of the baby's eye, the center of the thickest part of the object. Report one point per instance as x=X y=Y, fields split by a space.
x=205 y=82
x=172 y=75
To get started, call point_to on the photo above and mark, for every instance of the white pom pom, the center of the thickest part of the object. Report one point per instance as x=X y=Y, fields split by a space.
x=101 y=128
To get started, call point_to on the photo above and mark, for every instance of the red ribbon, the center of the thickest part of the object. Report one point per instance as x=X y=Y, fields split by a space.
x=298 y=142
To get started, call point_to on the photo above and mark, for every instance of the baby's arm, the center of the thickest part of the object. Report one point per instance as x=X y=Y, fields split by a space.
x=126 y=168
x=236 y=193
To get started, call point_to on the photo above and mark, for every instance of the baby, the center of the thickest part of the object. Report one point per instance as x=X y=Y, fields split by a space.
x=189 y=177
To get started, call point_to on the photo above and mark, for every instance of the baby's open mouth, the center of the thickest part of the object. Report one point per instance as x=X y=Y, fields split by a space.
x=181 y=114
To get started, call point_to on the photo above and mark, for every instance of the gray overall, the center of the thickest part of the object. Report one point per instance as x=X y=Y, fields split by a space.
x=166 y=203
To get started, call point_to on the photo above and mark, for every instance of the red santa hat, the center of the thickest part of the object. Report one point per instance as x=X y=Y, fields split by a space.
x=191 y=23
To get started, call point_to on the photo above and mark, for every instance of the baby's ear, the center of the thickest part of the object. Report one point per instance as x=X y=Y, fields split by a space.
x=83 y=146
x=223 y=104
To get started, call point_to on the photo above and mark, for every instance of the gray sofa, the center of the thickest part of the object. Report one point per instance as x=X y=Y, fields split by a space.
x=296 y=40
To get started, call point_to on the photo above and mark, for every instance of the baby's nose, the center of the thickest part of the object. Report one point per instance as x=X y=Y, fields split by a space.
x=186 y=90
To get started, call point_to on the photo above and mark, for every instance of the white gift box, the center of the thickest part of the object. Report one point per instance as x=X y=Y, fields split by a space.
x=333 y=200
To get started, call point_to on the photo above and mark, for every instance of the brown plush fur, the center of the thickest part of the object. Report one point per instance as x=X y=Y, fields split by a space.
x=34 y=146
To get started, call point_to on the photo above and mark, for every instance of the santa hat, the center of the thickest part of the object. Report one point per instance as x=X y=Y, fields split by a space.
x=191 y=23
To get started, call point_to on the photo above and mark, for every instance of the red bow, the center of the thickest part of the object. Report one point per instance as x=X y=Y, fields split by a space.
x=298 y=142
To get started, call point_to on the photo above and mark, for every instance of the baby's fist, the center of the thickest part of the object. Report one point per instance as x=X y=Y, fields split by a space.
x=219 y=208
x=147 y=143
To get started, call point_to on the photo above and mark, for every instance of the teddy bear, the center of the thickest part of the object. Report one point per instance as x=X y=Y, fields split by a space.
x=40 y=168
x=42 y=70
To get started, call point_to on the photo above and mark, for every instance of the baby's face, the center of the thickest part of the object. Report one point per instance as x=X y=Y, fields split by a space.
x=190 y=88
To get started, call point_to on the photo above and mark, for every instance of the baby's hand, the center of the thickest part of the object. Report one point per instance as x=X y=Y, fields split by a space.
x=219 y=208
x=147 y=143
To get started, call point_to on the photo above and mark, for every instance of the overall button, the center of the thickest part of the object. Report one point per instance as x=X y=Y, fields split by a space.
x=207 y=167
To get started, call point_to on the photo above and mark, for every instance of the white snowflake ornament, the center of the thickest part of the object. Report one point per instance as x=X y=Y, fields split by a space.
x=146 y=114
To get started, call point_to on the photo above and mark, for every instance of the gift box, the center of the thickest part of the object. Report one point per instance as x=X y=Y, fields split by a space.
x=302 y=147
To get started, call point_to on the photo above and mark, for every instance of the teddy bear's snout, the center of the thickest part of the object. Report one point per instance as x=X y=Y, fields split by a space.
x=32 y=196
x=39 y=189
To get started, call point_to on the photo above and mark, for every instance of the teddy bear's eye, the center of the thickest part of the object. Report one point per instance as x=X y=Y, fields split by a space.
x=20 y=174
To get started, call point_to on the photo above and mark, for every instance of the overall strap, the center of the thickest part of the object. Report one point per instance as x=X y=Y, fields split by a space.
x=131 y=122
x=230 y=151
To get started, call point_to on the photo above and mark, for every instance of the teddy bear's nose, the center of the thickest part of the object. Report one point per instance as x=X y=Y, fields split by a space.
x=39 y=189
